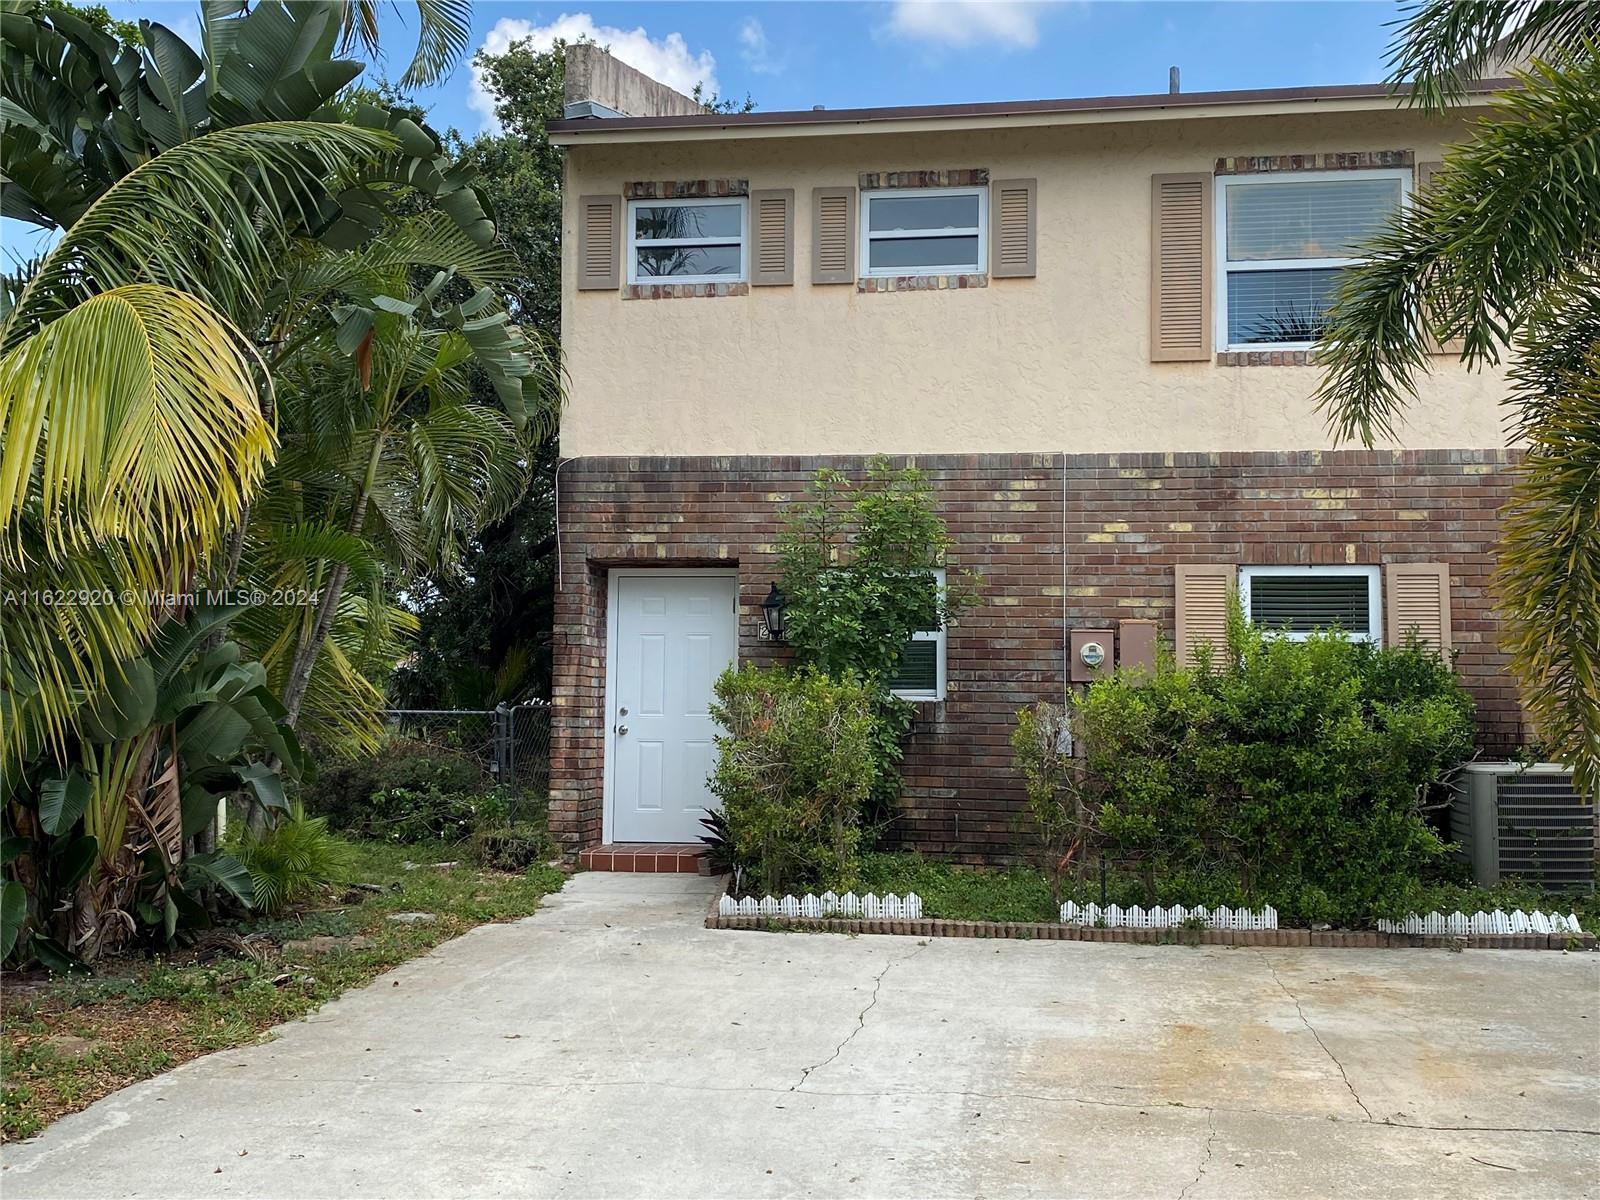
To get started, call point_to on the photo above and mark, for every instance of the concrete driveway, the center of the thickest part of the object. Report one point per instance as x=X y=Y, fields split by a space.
x=611 y=1046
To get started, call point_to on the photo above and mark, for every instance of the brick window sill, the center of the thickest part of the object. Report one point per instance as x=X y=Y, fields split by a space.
x=920 y=283
x=1266 y=358
x=683 y=291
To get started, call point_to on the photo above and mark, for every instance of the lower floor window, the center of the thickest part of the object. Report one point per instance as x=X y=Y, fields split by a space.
x=1298 y=601
x=920 y=673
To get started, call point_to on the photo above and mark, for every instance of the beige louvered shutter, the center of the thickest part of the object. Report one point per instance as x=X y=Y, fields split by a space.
x=1012 y=228
x=1425 y=173
x=1417 y=600
x=833 y=235
x=772 y=230
x=1203 y=590
x=599 y=243
x=1180 y=269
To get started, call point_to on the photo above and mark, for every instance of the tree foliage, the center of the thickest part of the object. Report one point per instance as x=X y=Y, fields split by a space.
x=1503 y=253
x=267 y=349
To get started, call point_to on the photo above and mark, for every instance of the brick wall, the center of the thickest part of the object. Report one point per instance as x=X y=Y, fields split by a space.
x=1124 y=520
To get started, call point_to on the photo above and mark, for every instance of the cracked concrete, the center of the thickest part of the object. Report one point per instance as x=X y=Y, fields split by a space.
x=861 y=1020
x=612 y=1046
x=1312 y=1030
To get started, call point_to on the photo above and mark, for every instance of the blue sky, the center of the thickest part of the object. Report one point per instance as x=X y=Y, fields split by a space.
x=794 y=55
x=844 y=55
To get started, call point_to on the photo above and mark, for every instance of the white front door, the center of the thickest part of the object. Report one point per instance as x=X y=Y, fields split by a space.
x=672 y=634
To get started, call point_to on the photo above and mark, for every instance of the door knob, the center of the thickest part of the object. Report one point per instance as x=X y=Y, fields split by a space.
x=622 y=729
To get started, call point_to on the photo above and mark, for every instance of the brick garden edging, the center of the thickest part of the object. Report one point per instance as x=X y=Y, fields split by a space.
x=1051 y=931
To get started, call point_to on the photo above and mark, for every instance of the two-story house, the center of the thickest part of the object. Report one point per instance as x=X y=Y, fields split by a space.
x=1088 y=320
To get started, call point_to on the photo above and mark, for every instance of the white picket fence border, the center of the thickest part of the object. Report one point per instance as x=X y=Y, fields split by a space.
x=1458 y=924
x=872 y=907
x=1114 y=916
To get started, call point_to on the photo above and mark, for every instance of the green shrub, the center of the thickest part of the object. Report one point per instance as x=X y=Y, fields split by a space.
x=514 y=847
x=409 y=791
x=289 y=861
x=1295 y=773
x=431 y=814
x=860 y=567
x=793 y=773
x=1062 y=821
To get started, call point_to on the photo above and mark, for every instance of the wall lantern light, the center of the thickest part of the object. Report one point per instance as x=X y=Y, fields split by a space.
x=772 y=612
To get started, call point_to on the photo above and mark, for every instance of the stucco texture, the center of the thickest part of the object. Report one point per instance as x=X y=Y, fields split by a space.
x=1056 y=362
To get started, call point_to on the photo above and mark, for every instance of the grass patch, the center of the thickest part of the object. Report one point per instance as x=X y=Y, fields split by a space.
x=957 y=893
x=70 y=1041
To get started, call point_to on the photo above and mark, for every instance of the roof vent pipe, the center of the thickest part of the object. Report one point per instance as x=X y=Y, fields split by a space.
x=819 y=108
x=1172 y=81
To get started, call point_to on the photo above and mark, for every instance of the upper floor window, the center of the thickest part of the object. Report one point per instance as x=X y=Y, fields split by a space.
x=925 y=231
x=1284 y=239
x=1298 y=601
x=687 y=241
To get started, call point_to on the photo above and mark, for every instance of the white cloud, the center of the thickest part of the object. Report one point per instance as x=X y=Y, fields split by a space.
x=967 y=22
x=756 y=49
x=666 y=59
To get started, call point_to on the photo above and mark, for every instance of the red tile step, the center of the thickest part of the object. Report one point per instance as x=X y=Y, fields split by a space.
x=681 y=858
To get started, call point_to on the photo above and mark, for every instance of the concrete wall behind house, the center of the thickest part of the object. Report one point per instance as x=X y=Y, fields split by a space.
x=594 y=74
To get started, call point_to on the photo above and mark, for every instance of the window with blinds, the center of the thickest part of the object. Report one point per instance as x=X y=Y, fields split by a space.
x=1283 y=241
x=1298 y=601
x=920 y=673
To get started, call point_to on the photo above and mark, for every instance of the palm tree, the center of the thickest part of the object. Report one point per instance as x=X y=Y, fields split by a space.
x=132 y=426
x=1503 y=253
x=390 y=465
x=137 y=408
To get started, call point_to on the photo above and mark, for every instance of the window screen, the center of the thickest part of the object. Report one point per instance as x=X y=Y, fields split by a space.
x=1325 y=219
x=696 y=241
x=916 y=232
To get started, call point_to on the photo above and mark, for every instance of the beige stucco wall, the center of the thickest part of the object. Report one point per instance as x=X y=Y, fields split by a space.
x=1057 y=362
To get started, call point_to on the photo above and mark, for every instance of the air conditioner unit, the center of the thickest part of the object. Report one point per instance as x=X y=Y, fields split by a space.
x=1510 y=819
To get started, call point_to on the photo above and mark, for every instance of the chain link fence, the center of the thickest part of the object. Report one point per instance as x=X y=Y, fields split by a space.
x=510 y=742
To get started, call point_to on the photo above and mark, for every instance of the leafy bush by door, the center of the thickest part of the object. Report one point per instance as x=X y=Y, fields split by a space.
x=794 y=771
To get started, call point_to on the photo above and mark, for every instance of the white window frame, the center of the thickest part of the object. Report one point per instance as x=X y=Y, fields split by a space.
x=867 y=236
x=929 y=635
x=1373 y=576
x=742 y=241
x=1224 y=267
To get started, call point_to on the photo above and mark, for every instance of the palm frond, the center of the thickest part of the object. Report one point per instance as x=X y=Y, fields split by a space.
x=1513 y=213
x=212 y=217
x=54 y=657
x=1549 y=571
x=443 y=35
x=136 y=415
x=1446 y=44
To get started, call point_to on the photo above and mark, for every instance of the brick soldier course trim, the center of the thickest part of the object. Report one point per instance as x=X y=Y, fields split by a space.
x=872 y=181
x=1128 y=519
x=683 y=291
x=1352 y=160
x=685 y=189
x=920 y=283
x=1266 y=358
